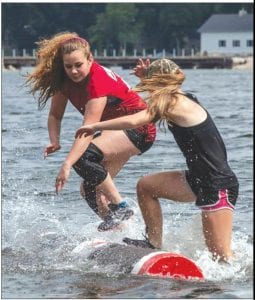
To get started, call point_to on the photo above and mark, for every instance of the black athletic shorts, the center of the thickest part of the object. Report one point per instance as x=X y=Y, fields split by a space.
x=138 y=139
x=209 y=198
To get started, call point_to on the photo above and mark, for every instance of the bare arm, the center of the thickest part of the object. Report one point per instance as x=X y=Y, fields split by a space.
x=93 y=112
x=57 y=109
x=126 y=122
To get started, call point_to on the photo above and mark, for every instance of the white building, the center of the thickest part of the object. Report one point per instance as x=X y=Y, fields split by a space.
x=228 y=34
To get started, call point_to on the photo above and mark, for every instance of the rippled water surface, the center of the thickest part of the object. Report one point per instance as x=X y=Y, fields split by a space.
x=40 y=230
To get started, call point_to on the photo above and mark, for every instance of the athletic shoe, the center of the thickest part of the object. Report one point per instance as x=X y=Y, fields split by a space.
x=109 y=223
x=117 y=213
x=139 y=243
x=124 y=213
x=121 y=211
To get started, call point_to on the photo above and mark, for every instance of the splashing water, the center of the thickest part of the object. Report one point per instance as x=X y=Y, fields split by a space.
x=40 y=231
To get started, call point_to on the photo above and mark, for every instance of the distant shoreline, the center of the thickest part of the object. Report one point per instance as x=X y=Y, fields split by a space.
x=248 y=65
x=235 y=62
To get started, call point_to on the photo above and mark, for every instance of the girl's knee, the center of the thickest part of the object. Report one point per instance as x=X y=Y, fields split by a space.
x=143 y=187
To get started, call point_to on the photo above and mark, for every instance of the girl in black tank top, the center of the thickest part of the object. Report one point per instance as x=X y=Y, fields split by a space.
x=208 y=180
x=205 y=152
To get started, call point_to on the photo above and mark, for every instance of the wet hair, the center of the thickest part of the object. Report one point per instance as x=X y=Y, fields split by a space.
x=49 y=75
x=162 y=81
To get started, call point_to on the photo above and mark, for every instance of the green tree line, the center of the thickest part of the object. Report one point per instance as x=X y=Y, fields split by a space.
x=112 y=25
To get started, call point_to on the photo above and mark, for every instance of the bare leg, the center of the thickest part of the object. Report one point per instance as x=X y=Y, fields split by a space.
x=117 y=149
x=217 y=228
x=152 y=215
x=107 y=193
x=217 y=225
x=101 y=200
x=168 y=185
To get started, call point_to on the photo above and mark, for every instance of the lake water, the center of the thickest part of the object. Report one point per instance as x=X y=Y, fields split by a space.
x=40 y=230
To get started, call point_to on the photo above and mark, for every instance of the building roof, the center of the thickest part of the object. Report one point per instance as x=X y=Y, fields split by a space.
x=241 y=22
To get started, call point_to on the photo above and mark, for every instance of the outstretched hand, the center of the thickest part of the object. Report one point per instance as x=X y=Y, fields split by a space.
x=141 y=67
x=85 y=130
x=62 y=177
x=51 y=148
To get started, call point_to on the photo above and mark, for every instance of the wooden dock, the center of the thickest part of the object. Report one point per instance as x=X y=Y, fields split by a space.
x=128 y=62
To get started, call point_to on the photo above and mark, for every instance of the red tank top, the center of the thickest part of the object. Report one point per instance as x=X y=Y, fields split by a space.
x=121 y=100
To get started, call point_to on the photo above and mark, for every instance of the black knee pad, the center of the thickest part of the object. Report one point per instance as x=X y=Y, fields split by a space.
x=89 y=167
x=93 y=173
x=90 y=197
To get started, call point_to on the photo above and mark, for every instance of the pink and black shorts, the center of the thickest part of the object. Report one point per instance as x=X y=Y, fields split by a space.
x=209 y=199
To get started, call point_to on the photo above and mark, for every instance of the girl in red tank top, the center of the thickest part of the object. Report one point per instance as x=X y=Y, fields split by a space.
x=66 y=71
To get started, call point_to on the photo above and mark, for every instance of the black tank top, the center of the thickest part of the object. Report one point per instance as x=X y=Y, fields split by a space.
x=205 y=152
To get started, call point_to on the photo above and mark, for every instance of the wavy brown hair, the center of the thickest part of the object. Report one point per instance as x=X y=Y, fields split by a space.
x=162 y=91
x=49 y=75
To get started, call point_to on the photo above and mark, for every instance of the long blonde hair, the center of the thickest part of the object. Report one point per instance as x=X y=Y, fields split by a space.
x=162 y=92
x=49 y=75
